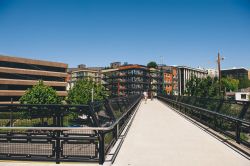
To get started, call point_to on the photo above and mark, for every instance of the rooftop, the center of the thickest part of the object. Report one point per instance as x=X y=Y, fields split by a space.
x=236 y=68
x=32 y=61
x=191 y=68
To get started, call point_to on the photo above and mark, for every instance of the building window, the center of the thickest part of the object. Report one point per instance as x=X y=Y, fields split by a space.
x=243 y=96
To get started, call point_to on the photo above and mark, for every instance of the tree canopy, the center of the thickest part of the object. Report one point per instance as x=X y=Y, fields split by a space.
x=244 y=83
x=229 y=84
x=81 y=92
x=208 y=87
x=152 y=64
x=201 y=87
x=40 y=94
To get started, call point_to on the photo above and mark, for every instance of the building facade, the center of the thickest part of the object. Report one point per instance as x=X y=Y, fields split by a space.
x=155 y=81
x=82 y=72
x=185 y=73
x=235 y=73
x=19 y=74
x=115 y=65
x=170 y=80
x=126 y=80
x=212 y=73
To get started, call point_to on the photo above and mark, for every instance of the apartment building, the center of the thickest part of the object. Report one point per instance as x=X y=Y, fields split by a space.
x=185 y=74
x=82 y=72
x=236 y=73
x=115 y=65
x=156 y=81
x=126 y=80
x=170 y=80
x=18 y=74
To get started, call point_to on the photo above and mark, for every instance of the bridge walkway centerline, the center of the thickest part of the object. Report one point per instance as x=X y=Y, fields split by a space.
x=159 y=136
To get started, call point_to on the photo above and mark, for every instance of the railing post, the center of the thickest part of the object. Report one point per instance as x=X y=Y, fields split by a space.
x=238 y=132
x=200 y=115
x=116 y=132
x=11 y=116
x=215 y=122
x=57 y=138
x=58 y=147
x=101 y=148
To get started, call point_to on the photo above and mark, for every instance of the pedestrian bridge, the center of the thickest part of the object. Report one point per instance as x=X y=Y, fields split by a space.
x=127 y=131
x=161 y=136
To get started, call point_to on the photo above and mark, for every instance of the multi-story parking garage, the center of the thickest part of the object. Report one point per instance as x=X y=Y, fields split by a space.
x=19 y=74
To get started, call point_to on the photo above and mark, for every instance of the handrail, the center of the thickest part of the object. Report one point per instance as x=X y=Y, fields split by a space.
x=74 y=128
x=216 y=99
x=209 y=111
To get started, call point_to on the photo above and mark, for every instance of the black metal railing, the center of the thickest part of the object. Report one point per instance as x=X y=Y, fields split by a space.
x=63 y=132
x=233 y=124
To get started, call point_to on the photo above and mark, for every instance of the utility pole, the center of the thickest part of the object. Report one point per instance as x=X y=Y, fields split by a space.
x=219 y=71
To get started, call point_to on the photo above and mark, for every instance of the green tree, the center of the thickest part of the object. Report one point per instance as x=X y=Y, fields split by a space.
x=214 y=89
x=244 y=83
x=81 y=92
x=152 y=64
x=208 y=87
x=205 y=87
x=190 y=86
x=229 y=84
x=40 y=94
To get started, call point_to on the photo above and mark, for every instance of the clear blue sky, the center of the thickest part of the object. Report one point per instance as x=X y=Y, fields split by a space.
x=97 y=32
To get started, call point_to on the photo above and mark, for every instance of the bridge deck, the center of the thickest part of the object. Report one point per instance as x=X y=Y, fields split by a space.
x=160 y=136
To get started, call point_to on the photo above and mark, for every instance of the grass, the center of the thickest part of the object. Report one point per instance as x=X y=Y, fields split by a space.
x=26 y=122
x=244 y=136
x=4 y=122
x=108 y=138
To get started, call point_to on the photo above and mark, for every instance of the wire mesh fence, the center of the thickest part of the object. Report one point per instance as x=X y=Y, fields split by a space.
x=237 y=109
x=63 y=132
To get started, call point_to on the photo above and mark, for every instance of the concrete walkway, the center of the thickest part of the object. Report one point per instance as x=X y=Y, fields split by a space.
x=159 y=136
